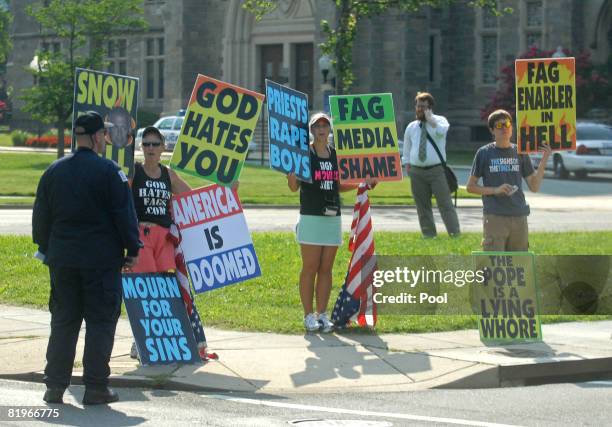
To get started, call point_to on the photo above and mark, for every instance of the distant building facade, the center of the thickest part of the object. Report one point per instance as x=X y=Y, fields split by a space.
x=454 y=52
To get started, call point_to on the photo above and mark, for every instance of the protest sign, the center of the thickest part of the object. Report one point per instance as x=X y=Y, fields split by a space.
x=366 y=137
x=546 y=103
x=216 y=132
x=216 y=243
x=507 y=300
x=158 y=319
x=288 y=130
x=115 y=97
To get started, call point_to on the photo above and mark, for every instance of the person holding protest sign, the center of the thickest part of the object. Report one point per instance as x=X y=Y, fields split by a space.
x=152 y=189
x=83 y=223
x=424 y=155
x=319 y=230
x=502 y=169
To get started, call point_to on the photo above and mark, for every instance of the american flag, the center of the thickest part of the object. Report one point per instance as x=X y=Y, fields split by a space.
x=355 y=302
x=181 y=274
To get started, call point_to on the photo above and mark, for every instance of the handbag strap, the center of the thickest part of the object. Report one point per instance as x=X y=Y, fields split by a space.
x=430 y=139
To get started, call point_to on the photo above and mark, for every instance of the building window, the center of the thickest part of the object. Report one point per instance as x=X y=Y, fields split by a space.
x=116 y=56
x=489 y=59
x=155 y=67
x=160 y=80
x=533 y=39
x=532 y=23
x=150 y=79
x=434 y=57
x=487 y=48
x=51 y=47
x=534 y=13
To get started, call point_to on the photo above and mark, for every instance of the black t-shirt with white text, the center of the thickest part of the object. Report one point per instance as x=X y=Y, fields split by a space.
x=152 y=196
x=324 y=190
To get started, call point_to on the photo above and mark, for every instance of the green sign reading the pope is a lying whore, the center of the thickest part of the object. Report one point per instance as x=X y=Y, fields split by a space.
x=507 y=301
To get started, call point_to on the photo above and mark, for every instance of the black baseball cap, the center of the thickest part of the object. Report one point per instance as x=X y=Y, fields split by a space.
x=90 y=123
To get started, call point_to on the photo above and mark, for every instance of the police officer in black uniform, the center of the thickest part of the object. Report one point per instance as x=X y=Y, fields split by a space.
x=86 y=228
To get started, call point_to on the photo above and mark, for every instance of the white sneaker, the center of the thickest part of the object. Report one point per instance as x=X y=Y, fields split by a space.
x=311 y=322
x=326 y=324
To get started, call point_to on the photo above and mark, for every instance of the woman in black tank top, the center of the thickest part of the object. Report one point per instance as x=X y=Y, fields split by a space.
x=319 y=230
x=152 y=189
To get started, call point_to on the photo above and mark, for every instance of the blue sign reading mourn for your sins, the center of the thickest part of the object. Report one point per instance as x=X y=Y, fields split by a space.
x=158 y=319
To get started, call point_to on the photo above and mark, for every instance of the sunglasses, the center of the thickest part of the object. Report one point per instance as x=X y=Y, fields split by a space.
x=151 y=144
x=506 y=124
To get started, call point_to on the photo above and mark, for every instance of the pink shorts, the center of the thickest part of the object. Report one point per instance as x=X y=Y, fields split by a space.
x=157 y=255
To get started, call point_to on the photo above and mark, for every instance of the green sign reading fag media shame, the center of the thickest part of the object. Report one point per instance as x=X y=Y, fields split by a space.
x=365 y=137
x=507 y=301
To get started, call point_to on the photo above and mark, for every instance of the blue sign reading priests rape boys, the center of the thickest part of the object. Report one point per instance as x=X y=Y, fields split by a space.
x=158 y=319
x=288 y=130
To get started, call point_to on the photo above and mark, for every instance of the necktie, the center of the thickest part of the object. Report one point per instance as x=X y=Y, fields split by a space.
x=423 y=144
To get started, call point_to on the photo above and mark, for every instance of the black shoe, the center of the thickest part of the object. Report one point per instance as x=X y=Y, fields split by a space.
x=54 y=395
x=99 y=396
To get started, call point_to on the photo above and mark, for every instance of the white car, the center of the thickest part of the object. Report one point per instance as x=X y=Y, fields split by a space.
x=169 y=126
x=593 y=152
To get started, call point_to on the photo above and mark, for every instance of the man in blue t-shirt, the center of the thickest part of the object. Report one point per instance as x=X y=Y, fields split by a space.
x=502 y=169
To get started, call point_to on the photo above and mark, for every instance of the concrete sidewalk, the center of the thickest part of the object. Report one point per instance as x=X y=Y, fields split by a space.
x=272 y=363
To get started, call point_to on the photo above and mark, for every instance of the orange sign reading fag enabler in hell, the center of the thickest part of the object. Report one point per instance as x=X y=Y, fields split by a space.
x=546 y=103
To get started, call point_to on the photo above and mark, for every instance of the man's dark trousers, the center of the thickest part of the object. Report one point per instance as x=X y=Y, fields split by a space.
x=77 y=294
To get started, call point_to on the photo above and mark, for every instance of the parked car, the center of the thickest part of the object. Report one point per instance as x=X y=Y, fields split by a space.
x=169 y=126
x=593 y=152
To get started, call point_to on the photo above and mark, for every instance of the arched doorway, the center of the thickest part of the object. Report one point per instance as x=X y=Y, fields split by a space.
x=279 y=47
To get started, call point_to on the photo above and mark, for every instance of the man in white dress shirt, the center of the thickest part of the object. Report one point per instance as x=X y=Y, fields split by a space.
x=425 y=169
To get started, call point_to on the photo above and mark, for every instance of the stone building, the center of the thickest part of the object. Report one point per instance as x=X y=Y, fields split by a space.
x=453 y=52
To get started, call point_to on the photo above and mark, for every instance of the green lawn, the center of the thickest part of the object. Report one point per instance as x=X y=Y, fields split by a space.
x=271 y=302
x=20 y=173
x=5 y=140
x=460 y=158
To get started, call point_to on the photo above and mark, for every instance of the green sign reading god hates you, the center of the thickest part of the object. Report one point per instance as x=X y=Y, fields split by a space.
x=507 y=301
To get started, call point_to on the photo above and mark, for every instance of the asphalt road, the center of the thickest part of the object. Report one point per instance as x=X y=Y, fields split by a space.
x=562 y=214
x=598 y=185
x=561 y=205
x=550 y=405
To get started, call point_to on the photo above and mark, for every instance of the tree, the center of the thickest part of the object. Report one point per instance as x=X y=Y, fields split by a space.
x=340 y=39
x=592 y=84
x=83 y=27
x=5 y=40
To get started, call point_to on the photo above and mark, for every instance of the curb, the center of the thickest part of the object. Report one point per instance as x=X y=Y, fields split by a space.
x=123 y=381
x=535 y=374
x=555 y=372
x=483 y=377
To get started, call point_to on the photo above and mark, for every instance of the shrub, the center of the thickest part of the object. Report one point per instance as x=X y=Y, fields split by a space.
x=19 y=137
x=47 y=141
